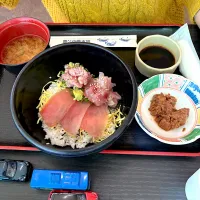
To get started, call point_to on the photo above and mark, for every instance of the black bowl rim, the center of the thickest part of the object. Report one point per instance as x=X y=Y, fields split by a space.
x=90 y=149
x=24 y=63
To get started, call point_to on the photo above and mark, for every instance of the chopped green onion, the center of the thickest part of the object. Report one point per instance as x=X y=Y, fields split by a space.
x=71 y=65
x=60 y=73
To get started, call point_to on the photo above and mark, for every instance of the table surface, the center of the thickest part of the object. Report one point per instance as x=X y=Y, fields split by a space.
x=114 y=177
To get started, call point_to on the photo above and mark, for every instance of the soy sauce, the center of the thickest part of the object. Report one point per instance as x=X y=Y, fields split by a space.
x=157 y=57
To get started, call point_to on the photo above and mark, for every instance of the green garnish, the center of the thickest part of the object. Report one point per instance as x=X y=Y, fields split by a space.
x=73 y=65
x=78 y=94
x=85 y=99
x=77 y=65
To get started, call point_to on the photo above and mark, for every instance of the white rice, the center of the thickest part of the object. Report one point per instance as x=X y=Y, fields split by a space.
x=58 y=136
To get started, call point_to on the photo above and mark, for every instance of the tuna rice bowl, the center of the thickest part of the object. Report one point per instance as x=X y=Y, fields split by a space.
x=78 y=108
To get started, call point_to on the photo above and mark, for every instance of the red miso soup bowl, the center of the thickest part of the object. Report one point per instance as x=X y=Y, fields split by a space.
x=16 y=28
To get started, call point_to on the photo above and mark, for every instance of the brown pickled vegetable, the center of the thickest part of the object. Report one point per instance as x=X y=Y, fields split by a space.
x=165 y=114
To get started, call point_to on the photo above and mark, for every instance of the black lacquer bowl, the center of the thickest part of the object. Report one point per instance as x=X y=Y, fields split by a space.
x=29 y=83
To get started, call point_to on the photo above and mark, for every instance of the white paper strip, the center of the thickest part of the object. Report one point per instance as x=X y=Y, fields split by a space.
x=190 y=64
x=103 y=40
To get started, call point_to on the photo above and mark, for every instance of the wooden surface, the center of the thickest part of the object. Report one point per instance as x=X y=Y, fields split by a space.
x=113 y=177
x=29 y=8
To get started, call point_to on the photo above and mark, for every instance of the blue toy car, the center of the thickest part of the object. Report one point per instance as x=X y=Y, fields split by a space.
x=55 y=179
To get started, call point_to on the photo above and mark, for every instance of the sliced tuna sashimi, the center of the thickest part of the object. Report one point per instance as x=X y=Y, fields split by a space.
x=56 y=108
x=73 y=118
x=95 y=120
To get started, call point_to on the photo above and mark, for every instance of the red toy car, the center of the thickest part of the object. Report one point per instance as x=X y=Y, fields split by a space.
x=72 y=195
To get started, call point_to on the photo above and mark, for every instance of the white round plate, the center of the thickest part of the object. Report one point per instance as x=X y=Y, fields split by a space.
x=188 y=96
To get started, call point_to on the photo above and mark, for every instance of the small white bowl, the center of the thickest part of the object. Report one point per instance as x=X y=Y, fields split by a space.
x=162 y=41
x=183 y=101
